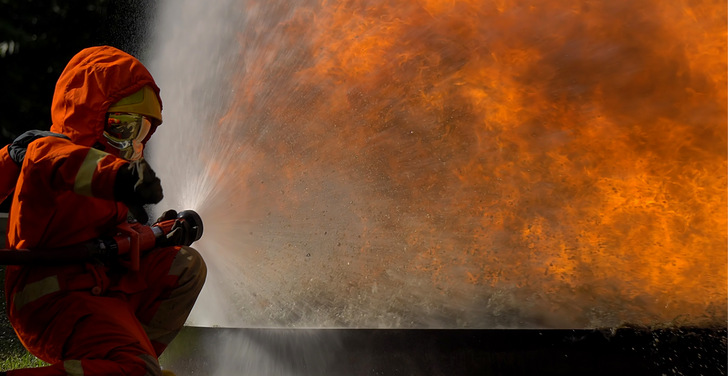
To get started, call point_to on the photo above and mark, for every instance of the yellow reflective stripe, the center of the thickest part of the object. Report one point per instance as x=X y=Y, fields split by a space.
x=73 y=367
x=85 y=174
x=36 y=290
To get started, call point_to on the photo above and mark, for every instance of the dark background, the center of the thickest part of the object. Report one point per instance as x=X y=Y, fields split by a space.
x=38 y=38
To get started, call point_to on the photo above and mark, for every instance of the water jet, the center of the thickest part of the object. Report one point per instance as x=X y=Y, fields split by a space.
x=448 y=165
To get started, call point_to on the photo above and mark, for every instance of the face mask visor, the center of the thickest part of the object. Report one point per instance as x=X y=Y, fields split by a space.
x=125 y=133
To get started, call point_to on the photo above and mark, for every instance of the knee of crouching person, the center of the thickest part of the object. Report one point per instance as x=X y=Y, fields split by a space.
x=195 y=269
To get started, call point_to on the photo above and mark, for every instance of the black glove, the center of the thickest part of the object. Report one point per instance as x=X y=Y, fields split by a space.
x=20 y=145
x=179 y=234
x=166 y=216
x=137 y=185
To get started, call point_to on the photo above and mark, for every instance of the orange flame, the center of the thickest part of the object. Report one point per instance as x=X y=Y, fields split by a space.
x=564 y=159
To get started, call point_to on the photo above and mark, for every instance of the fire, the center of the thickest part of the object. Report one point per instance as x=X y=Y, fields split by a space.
x=484 y=163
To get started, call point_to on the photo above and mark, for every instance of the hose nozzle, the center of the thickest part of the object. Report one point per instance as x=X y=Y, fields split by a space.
x=185 y=229
x=195 y=222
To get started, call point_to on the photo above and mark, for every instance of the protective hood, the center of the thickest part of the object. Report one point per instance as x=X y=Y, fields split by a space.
x=93 y=80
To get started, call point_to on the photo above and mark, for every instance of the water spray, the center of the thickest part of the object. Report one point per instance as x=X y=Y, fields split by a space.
x=132 y=239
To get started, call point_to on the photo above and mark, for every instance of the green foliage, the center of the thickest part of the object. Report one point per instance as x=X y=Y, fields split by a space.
x=12 y=353
x=20 y=359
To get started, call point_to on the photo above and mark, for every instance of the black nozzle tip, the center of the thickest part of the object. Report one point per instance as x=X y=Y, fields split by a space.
x=195 y=222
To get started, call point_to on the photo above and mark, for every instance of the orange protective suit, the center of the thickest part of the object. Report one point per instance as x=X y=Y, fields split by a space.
x=89 y=319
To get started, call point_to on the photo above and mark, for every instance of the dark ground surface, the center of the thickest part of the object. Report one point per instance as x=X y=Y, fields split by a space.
x=627 y=351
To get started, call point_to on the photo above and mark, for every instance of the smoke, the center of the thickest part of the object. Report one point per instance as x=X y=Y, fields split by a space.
x=448 y=164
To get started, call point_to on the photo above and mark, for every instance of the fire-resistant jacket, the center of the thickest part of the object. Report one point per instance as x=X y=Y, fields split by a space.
x=63 y=192
x=64 y=189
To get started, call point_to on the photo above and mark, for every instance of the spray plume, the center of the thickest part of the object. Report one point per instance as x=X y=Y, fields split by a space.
x=457 y=164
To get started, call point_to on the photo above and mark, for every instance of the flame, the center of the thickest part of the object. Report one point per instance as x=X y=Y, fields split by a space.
x=481 y=163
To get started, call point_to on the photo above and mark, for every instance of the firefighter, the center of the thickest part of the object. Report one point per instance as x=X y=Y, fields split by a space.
x=86 y=179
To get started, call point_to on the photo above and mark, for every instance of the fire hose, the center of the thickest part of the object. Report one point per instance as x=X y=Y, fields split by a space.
x=132 y=239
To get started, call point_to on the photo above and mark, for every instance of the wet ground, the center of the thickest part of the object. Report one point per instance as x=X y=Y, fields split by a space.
x=627 y=351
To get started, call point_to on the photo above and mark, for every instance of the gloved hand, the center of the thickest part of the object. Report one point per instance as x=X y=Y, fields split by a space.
x=20 y=145
x=166 y=216
x=179 y=234
x=137 y=185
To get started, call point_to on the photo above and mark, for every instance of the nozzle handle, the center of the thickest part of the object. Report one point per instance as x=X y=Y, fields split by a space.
x=183 y=230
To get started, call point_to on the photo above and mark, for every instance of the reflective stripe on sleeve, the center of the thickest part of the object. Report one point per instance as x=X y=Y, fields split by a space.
x=36 y=290
x=73 y=367
x=85 y=175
